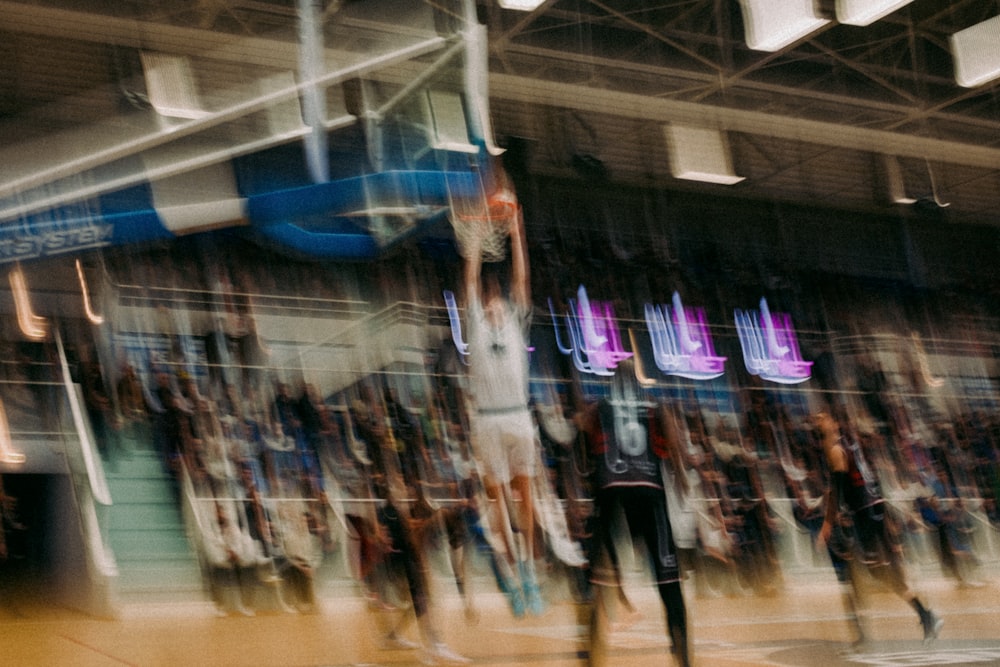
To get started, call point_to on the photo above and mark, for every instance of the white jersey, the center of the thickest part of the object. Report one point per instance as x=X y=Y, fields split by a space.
x=498 y=359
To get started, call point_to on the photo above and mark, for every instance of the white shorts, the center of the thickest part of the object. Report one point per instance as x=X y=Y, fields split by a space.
x=505 y=444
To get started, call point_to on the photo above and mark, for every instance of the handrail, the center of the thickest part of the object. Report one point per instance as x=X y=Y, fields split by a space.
x=209 y=297
x=980 y=517
x=95 y=474
x=102 y=557
x=784 y=511
x=406 y=312
x=187 y=493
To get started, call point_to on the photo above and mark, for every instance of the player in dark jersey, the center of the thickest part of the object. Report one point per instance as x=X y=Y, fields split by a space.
x=855 y=492
x=627 y=448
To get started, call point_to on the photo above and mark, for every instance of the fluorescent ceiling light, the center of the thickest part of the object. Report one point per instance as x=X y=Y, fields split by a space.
x=771 y=25
x=171 y=86
x=976 y=51
x=708 y=177
x=445 y=119
x=865 y=12
x=912 y=182
x=699 y=154
x=895 y=182
x=521 y=5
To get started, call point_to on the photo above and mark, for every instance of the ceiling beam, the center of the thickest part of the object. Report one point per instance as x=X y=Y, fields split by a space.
x=701 y=81
x=628 y=105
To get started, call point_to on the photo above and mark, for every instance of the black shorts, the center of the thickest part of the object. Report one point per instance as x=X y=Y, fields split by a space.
x=874 y=540
x=645 y=512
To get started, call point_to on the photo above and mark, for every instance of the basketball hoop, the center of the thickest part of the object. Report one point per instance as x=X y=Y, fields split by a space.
x=486 y=220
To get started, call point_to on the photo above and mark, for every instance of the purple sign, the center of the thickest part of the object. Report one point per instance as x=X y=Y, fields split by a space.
x=770 y=345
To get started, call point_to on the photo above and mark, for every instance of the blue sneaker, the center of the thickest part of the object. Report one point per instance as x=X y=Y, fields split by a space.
x=516 y=599
x=536 y=606
x=532 y=594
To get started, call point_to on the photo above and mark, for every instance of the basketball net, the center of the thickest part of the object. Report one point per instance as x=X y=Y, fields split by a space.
x=487 y=220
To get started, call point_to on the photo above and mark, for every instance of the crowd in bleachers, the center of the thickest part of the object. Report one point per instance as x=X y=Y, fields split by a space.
x=280 y=476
